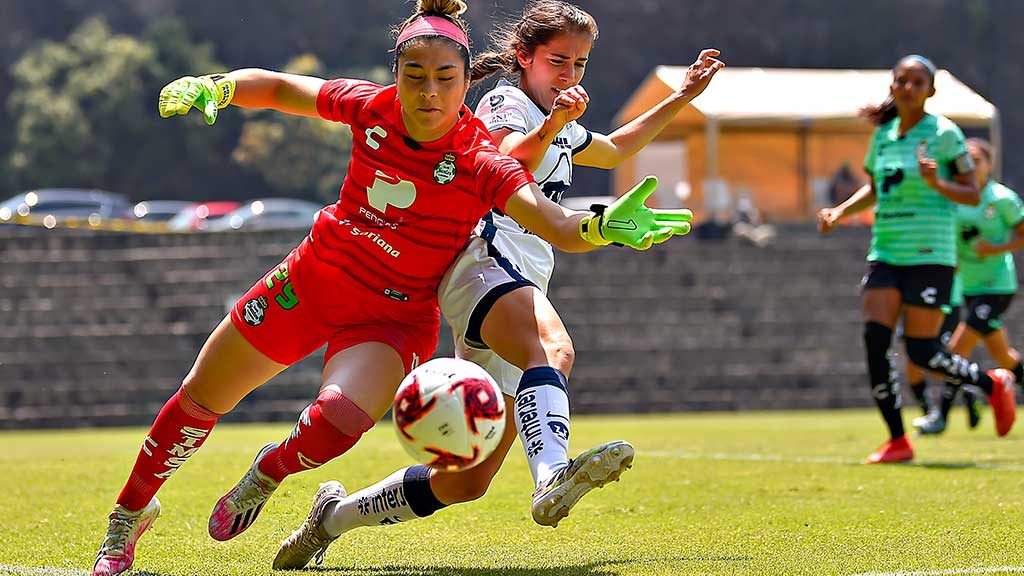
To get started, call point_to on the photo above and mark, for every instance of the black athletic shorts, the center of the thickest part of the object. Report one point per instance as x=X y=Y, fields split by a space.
x=984 y=311
x=925 y=285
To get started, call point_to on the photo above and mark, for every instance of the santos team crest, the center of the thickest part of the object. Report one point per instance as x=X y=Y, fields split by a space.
x=390 y=190
x=444 y=172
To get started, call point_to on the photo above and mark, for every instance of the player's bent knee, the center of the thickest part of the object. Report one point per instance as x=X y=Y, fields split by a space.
x=923 y=351
x=343 y=414
x=560 y=352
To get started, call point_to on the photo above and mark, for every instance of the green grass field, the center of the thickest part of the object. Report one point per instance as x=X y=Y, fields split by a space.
x=749 y=493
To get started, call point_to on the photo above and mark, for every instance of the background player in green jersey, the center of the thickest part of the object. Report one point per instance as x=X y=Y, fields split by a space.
x=920 y=170
x=916 y=377
x=987 y=235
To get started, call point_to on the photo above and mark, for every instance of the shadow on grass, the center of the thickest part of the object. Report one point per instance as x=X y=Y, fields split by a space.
x=590 y=569
x=950 y=465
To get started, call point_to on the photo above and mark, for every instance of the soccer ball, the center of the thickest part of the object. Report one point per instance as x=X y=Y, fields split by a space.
x=450 y=414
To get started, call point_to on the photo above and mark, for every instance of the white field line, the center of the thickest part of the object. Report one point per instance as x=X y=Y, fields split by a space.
x=951 y=572
x=40 y=571
x=754 y=457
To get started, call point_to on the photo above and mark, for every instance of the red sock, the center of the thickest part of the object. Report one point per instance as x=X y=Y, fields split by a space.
x=179 y=430
x=326 y=429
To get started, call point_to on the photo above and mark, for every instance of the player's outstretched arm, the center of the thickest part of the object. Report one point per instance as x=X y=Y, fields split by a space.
x=246 y=88
x=608 y=151
x=627 y=221
x=859 y=201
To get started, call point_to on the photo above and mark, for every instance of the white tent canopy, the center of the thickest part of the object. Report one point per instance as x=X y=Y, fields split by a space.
x=798 y=94
x=773 y=96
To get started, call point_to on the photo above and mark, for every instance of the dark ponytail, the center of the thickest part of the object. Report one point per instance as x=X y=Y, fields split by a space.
x=881 y=113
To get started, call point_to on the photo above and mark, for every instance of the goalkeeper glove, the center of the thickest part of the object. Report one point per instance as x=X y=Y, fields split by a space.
x=207 y=93
x=628 y=221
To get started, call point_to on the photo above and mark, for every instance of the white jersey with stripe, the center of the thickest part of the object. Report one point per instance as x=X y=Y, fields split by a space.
x=506 y=107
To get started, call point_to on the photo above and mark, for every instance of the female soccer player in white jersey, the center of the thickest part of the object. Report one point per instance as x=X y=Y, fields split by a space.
x=364 y=282
x=920 y=170
x=494 y=296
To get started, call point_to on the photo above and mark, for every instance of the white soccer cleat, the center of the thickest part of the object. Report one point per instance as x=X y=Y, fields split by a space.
x=931 y=423
x=237 y=510
x=310 y=540
x=117 y=553
x=556 y=496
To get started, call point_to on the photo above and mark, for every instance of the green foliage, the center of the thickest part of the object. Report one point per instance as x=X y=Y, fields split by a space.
x=738 y=493
x=64 y=95
x=84 y=111
x=85 y=116
x=296 y=156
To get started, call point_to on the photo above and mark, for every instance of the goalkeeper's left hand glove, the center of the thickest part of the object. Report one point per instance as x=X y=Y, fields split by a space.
x=628 y=221
x=207 y=93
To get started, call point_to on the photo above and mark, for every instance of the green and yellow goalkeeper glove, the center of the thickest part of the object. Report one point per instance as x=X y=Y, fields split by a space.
x=628 y=221
x=207 y=93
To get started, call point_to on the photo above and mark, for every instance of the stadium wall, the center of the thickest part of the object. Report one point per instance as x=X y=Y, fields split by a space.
x=99 y=328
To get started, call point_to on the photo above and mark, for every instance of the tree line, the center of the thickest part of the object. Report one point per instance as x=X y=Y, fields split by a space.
x=79 y=80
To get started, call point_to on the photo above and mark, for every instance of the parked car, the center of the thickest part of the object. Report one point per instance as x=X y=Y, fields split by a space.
x=63 y=204
x=156 y=211
x=270 y=213
x=199 y=215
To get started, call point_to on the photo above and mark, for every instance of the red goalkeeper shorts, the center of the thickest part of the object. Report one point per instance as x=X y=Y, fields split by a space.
x=304 y=303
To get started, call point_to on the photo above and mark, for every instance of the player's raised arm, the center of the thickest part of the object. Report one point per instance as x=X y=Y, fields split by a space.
x=246 y=88
x=530 y=147
x=627 y=221
x=608 y=151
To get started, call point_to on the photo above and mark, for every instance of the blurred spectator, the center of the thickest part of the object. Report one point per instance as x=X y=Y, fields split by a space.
x=844 y=184
x=748 y=224
x=715 y=227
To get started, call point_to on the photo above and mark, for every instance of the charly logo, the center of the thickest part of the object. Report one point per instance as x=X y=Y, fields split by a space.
x=496 y=100
x=444 y=172
x=253 y=311
x=990 y=212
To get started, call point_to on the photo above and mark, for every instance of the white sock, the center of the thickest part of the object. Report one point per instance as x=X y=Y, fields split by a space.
x=404 y=495
x=542 y=420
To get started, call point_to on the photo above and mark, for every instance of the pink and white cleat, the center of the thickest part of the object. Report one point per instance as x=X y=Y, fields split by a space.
x=238 y=509
x=117 y=553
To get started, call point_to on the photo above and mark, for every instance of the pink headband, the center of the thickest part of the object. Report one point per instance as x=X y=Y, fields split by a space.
x=433 y=26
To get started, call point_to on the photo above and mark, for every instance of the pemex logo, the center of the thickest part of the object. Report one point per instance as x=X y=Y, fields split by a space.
x=390 y=190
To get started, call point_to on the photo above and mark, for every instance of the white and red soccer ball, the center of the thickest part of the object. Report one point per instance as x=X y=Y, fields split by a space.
x=450 y=414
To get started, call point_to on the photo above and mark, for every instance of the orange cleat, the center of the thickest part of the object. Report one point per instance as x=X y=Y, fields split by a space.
x=1003 y=400
x=898 y=450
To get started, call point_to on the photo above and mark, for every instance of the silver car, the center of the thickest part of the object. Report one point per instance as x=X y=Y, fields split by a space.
x=269 y=214
x=56 y=205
